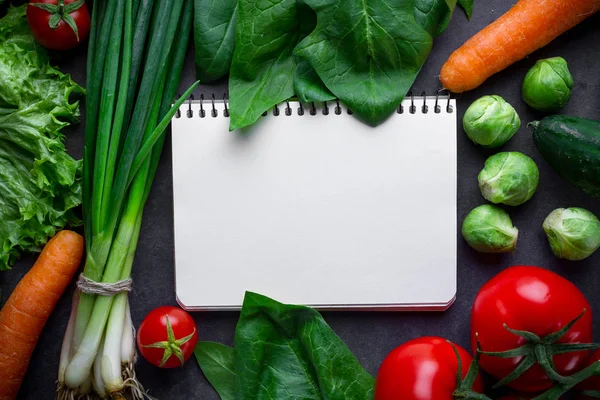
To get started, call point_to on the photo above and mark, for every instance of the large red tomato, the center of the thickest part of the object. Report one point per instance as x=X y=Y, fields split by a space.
x=422 y=369
x=529 y=299
x=167 y=337
x=58 y=24
x=594 y=382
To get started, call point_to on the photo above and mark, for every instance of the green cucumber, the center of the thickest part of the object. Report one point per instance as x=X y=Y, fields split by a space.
x=571 y=146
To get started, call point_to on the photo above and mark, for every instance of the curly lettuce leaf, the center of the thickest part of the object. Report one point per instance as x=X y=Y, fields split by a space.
x=39 y=181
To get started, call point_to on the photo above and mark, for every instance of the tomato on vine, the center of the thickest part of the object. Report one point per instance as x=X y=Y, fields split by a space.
x=59 y=24
x=427 y=368
x=167 y=337
x=591 y=384
x=528 y=314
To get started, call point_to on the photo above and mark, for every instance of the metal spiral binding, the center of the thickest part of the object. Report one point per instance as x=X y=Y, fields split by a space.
x=312 y=108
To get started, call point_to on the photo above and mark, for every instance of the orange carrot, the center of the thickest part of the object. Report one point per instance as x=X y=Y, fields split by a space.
x=25 y=313
x=526 y=27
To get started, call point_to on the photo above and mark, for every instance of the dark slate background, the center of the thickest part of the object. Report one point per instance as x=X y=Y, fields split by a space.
x=369 y=335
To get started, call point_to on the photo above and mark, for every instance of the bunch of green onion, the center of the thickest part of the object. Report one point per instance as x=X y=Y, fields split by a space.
x=135 y=58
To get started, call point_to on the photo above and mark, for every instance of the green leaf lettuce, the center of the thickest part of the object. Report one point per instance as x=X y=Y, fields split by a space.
x=39 y=181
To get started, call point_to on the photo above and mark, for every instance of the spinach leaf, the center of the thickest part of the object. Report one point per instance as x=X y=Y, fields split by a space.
x=308 y=85
x=217 y=363
x=214 y=37
x=367 y=53
x=467 y=5
x=289 y=352
x=434 y=15
x=262 y=69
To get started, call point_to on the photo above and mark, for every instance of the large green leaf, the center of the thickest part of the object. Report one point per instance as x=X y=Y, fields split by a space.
x=214 y=37
x=289 y=352
x=217 y=363
x=368 y=53
x=262 y=69
x=39 y=181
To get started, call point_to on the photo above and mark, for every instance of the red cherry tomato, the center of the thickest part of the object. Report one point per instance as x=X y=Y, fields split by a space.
x=531 y=299
x=167 y=337
x=62 y=36
x=422 y=369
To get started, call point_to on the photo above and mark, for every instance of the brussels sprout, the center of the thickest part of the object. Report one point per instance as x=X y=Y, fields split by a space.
x=509 y=178
x=490 y=121
x=573 y=233
x=548 y=84
x=488 y=229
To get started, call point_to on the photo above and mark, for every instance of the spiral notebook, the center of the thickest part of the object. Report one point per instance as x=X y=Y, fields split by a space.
x=310 y=206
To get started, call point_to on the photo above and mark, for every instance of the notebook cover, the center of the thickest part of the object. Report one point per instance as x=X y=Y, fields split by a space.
x=320 y=210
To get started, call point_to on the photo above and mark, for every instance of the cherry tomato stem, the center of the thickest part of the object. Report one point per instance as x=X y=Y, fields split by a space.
x=167 y=337
x=59 y=24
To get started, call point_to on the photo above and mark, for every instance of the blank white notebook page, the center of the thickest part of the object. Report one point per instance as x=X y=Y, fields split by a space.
x=320 y=210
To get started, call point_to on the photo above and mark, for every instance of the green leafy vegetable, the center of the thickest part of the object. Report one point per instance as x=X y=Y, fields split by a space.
x=467 y=5
x=217 y=363
x=262 y=69
x=214 y=37
x=308 y=86
x=286 y=352
x=434 y=15
x=39 y=181
x=367 y=54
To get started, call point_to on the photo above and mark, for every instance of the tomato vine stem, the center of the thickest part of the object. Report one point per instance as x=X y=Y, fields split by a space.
x=540 y=350
x=464 y=387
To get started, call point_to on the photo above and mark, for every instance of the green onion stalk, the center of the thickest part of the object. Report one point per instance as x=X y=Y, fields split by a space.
x=135 y=58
